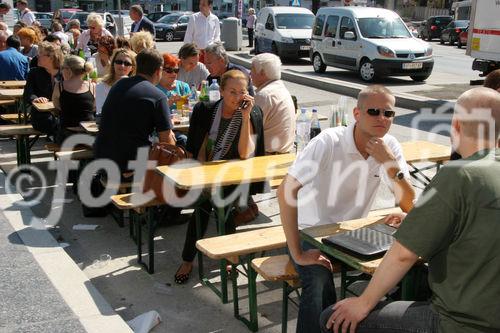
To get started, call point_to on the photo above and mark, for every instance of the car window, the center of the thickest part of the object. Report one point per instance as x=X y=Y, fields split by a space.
x=109 y=19
x=184 y=19
x=294 y=21
x=169 y=19
x=462 y=24
x=382 y=27
x=270 y=22
x=331 y=26
x=347 y=24
x=318 y=25
x=442 y=21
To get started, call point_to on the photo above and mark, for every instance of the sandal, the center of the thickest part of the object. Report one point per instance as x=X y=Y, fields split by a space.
x=182 y=278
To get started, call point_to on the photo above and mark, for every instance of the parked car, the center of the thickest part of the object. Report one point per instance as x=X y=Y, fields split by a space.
x=452 y=30
x=157 y=15
x=109 y=20
x=433 y=26
x=462 y=38
x=172 y=26
x=45 y=19
x=124 y=12
x=372 y=41
x=284 y=31
x=67 y=13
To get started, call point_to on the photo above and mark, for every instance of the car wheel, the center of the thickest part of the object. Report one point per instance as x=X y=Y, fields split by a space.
x=318 y=64
x=367 y=71
x=169 y=36
x=420 y=77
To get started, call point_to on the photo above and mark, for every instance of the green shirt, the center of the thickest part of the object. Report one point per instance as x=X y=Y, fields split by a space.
x=455 y=227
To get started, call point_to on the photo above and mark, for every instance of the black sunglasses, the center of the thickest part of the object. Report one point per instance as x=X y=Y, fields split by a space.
x=376 y=112
x=171 y=70
x=123 y=62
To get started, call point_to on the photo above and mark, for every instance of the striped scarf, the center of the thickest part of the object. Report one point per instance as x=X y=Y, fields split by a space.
x=222 y=142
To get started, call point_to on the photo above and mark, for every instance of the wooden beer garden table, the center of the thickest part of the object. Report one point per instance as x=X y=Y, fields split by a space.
x=91 y=127
x=12 y=84
x=17 y=96
x=424 y=151
x=44 y=107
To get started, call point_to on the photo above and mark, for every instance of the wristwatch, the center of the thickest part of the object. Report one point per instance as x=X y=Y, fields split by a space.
x=399 y=175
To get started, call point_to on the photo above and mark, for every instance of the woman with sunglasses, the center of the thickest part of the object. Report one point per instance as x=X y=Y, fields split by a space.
x=169 y=84
x=231 y=128
x=123 y=65
x=105 y=47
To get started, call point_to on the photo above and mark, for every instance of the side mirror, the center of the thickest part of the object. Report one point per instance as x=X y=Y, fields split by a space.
x=349 y=35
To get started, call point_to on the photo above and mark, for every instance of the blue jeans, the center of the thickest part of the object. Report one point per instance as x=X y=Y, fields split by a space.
x=394 y=317
x=318 y=292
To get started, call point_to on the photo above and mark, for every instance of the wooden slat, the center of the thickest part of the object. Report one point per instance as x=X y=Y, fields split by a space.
x=11 y=93
x=92 y=128
x=222 y=173
x=10 y=130
x=243 y=243
x=5 y=102
x=12 y=84
x=425 y=151
x=11 y=117
x=82 y=154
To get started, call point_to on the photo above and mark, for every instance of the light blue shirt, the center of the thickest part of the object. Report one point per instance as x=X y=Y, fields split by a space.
x=181 y=89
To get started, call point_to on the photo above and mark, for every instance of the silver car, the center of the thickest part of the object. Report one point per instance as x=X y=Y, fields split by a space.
x=45 y=19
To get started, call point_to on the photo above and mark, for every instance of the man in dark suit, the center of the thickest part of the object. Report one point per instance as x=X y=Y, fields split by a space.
x=141 y=22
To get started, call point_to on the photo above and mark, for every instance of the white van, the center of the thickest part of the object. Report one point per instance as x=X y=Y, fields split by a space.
x=373 y=41
x=284 y=31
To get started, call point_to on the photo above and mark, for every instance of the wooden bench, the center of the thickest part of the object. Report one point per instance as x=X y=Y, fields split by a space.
x=77 y=153
x=138 y=206
x=22 y=135
x=281 y=268
x=11 y=117
x=7 y=102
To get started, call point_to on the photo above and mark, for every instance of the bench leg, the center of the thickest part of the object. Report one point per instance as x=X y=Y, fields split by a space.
x=284 y=310
x=234 y=282
x=253 y=323
x=151 y=242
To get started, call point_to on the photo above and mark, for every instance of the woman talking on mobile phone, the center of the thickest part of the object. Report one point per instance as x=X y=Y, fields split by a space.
x=230 y=128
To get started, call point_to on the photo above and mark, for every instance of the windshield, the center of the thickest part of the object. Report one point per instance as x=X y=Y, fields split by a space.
x=381 y=27
x=294 y=21
x=67 y=15
x=169 y=19
x=461 y=24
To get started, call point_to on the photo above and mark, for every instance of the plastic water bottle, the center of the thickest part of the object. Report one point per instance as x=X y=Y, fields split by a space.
x=315 y=127
x=302 y=130
x=213 y=92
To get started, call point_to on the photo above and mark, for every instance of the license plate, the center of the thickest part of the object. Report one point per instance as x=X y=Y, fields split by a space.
x=412 y=65
x=305 y=47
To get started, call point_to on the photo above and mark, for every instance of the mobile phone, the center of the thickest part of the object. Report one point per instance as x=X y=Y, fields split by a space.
x=243 y=105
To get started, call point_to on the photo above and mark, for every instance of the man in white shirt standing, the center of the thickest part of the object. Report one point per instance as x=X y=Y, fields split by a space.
x=25 y=14
x=335 y=178
x=203 y=28
x=275 y=102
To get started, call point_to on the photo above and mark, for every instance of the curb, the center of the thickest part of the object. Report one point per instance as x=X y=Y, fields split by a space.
x=403 y=100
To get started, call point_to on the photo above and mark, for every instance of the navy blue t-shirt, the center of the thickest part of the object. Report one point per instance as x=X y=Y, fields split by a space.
x=133 y=109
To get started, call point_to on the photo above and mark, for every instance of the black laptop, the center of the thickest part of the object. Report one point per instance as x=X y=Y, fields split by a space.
x=368 y=242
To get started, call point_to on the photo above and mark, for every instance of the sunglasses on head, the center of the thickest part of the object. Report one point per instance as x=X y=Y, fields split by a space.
x=123 y=62
x=170 y=70
x=376 y=112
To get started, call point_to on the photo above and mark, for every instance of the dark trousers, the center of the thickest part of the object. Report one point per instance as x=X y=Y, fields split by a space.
x=189 y=251
x=318 y=292
x=250 y=37
x=44 y=122
x=394 y=317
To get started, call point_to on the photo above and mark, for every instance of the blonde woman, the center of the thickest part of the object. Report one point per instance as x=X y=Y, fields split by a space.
x=141 y=40
x=122 y=65
x=74 y=97
x=89 y=38
x=29 y=41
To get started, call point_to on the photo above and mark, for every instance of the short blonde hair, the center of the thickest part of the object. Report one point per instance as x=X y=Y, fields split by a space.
x=95 y=18
x=141 y=40
x=232 y=74
x=369 y=91
x=53 y=51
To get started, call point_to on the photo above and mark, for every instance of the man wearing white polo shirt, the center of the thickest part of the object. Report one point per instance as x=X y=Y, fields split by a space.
x=203 y=28
x=25 y=14
x=335 y=178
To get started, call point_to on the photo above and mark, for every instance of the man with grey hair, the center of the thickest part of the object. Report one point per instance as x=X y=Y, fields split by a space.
x=4 y=27
x=335 y=178
x=455 y=227
x=275 y=102
x=141 y=22
x=74 y=24
x=217 y=63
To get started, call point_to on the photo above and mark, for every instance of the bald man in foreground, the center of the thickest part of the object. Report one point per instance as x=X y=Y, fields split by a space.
x=455 y=228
